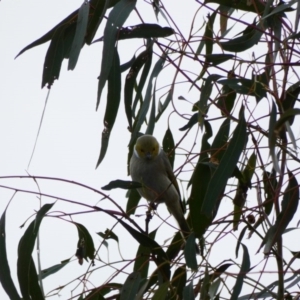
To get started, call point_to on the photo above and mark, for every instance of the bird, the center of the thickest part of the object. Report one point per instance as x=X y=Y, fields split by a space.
x=150 y=166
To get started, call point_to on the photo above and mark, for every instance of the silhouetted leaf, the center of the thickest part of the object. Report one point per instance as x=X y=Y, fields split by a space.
x=179 y=280
x=207 y=39
x=78 y=41
x=190 y=252
x=192 y=121
x=122 y=184
x=216 y=59
x=25 y=250
x=59 y=48
x=131 y=286
x=112 y=105
x=169 y=146
x=255 y=6
x=146 y=103
x=162 y=260
x=34 y=287
x=199 y=185
x=246 y=87
x=97 y=12
x=206 y=90
x=250 y=37
x=69 y=20
x=131 y=80
x=219 y=144
x=161 y=292
x=133 y=201
x=270 y=183
x=85 y=242
x=142 y=259
x=226 y=167
x=291 y=95
x=188 y=292
x=115 y=21
x=5 y=277
x=144 y=31
x=289 y=206
x=245 y=268
x=55 y=268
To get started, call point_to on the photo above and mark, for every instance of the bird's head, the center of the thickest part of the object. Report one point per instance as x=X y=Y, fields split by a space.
x=147 y=147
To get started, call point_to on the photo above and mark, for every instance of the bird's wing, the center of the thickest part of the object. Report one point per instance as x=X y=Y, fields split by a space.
x=172 y=177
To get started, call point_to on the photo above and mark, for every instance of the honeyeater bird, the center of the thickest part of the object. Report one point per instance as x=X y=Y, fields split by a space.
x=150 y=166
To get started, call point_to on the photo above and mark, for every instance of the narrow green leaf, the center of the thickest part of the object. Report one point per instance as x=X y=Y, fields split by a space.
x=69 y=20
x=205 y=285
x=190 y=252
x=280 y=8
x=121 y=184
x=220 y=141
x=192 y=121
x=5 y=277
x=78 y=41
x=206 y=90
x=200 y=184
x=208 y=35
x=99 y=292
x=289 y=207
x=112 y=105
x=131 y=286
x=97 y=12
x=34 y=287
x=25 y=249
x=291 y=95
x=162 y=260
x=239 y=242
x=250 y=37
x=169 y=146
x=226 y=167
x=270 y=183
x=115 y=21
x=51 y=270
x=133 y=201
x=227 y=97
x=53 y=58
x=175 y=246
x=142 y=260
x=255 y=6
x=213 y=289
x=161 y=292
x=85 y=242
x=286 y=117
x=144 y=31
x=151 y=120
x=145 y=105
x=219 y=271
x=272 y=137
x=144 y=75
x=138 y=63
x=188 y=292
x=245 y=268
x=109 y=235
x=179 y=280
x=249 y=169
x=246 y=86
x=124 y=67
x=216 y=59
x=161 y=108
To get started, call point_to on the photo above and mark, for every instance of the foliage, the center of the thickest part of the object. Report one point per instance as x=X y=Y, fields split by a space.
x=246 y=110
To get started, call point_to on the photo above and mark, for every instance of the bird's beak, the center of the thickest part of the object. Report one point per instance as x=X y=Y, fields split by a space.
x=148 y=156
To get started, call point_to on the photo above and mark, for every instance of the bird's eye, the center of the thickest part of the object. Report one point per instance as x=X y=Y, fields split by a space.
x=142 y=150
